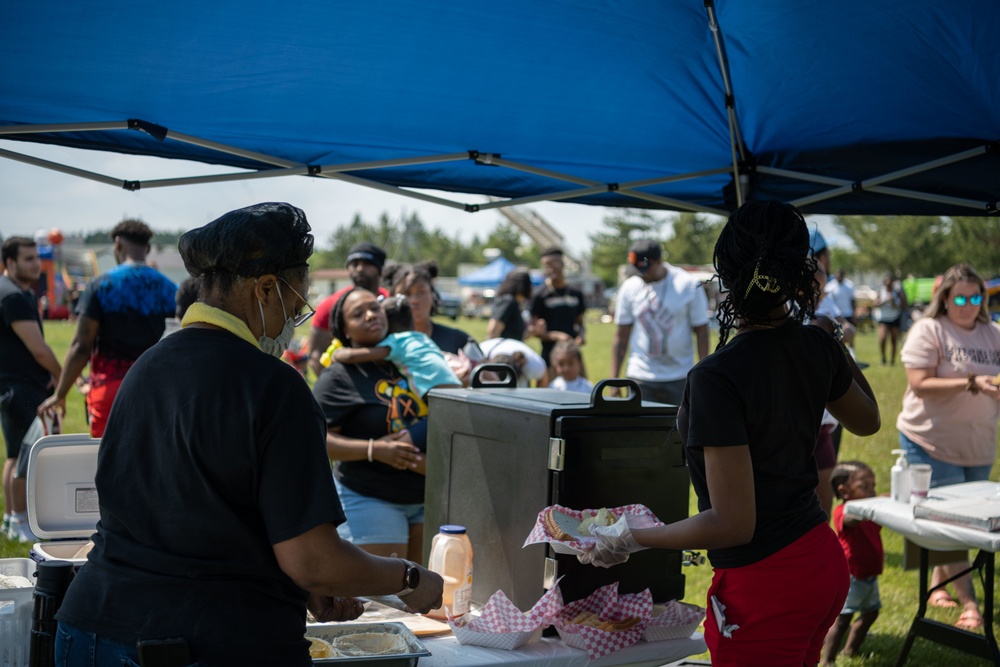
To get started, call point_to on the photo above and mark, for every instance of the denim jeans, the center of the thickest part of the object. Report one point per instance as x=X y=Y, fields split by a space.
x=943 y=474
x=77 y=648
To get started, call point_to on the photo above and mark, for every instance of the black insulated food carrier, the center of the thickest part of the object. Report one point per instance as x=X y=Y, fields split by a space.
x=496 y=457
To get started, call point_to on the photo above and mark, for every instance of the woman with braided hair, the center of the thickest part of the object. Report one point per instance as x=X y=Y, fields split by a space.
x=749 y=420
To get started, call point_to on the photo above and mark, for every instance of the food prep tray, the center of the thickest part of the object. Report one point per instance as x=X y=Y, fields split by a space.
x=330 y=632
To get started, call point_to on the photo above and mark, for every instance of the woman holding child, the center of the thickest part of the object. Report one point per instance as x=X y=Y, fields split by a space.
x=749 y=419
x=376 y=432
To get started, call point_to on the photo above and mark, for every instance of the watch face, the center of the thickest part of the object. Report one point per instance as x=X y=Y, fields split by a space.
x=412 y=577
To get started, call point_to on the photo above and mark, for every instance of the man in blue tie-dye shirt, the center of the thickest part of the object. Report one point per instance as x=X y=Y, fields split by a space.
x=121 y=315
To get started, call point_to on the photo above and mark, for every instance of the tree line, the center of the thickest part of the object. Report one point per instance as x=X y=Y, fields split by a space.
x=922 y=246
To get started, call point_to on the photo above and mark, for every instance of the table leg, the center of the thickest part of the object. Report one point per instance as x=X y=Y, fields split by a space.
x=947 y=635
x=921 y=609
x=988 y=601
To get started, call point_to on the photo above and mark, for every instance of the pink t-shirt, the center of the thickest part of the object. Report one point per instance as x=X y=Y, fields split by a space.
x=958 y=428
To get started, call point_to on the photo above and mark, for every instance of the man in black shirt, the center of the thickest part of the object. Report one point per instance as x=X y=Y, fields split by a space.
x=27 y=371
x=559 y=306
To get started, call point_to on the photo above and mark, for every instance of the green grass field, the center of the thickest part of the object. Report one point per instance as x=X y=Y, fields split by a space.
x=898 y=587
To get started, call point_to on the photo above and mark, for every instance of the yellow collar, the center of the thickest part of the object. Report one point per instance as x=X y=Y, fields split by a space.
x=200 y=312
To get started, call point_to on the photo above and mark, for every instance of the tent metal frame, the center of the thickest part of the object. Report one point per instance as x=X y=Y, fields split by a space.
x=283 y=167
x=741 y=168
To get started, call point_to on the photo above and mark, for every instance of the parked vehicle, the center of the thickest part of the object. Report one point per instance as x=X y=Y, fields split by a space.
x=449 y=305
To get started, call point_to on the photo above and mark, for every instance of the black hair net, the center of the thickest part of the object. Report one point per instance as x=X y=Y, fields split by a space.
x=249 y=242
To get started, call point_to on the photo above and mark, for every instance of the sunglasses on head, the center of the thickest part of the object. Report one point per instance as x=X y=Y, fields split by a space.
x=975 y=300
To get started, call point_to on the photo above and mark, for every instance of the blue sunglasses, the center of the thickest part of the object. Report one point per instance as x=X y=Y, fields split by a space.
x=975 y=300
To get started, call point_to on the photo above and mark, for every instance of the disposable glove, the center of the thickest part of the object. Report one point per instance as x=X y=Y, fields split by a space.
x=615 y=542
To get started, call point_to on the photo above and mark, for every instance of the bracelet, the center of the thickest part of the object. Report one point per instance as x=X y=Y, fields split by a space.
x=970 y=384
x=371 y=445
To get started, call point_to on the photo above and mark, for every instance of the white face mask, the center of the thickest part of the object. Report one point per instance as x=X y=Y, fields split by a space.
x=276 y=346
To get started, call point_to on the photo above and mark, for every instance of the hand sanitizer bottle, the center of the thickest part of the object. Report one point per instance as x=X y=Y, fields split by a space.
x=900 y=478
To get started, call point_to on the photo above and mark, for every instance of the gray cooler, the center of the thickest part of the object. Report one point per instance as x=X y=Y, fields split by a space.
x=497 y=456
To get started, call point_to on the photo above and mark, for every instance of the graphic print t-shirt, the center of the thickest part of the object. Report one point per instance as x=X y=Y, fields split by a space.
x=131 y=303
x=368 y=401
x=959 y=428
x=662 y=315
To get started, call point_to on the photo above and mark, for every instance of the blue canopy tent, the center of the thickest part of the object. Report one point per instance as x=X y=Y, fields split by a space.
x=493 y=274
x=489 y=275
x=839 y=107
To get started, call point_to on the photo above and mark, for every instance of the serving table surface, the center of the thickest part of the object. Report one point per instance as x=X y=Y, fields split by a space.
x=552 y=652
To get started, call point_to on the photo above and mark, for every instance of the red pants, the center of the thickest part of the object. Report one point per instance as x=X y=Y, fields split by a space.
x=784 y=605
x=99 y=400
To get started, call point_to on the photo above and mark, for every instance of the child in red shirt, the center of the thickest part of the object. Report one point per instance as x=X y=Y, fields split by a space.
x=862 y=543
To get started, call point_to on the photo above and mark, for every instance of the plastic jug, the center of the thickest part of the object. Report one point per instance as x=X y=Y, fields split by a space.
x=451 y=557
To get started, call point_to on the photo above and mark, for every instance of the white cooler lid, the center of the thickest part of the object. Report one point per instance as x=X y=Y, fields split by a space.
x=62 y=495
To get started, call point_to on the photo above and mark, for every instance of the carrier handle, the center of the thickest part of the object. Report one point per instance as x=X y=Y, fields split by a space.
x=631 y=402
x=508 y=377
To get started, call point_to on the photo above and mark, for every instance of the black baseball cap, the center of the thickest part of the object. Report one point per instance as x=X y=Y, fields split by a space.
x=367 y=252
x=642 y=252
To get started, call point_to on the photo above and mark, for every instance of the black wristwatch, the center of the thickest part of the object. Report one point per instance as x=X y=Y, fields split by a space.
x=411 y=578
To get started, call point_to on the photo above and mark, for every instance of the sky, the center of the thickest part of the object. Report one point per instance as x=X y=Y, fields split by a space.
x=33 y=198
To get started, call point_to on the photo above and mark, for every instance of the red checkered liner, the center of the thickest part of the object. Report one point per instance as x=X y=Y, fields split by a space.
x=609 y=606
x=678 y=621
x=502 y=625
x=584 y=544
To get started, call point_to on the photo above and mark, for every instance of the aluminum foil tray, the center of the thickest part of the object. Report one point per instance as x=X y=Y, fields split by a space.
x=330 y=631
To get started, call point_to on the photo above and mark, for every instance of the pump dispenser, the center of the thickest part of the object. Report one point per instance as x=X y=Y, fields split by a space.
x=900 y=478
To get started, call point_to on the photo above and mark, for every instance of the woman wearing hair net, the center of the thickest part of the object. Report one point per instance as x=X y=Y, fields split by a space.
x=218 y=513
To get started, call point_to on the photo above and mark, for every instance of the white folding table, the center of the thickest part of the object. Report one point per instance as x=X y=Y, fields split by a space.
x=939 y=536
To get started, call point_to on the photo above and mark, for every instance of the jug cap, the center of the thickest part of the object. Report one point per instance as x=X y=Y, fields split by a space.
x=451 y=529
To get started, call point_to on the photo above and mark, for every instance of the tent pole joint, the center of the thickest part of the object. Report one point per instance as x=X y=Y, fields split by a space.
x=158 y=132
x=315 y=169
x=472 y=208
x=131 y=186
x=485 y=159
x=857 y=186
x=612 y=187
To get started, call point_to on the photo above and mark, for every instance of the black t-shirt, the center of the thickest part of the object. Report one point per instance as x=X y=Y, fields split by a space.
x=766 y=389
x=371 y=400
x=452 y=340
x=560 y=308
x=213 y=453
x=506 y=309
x=16 y=362
x=131 y=303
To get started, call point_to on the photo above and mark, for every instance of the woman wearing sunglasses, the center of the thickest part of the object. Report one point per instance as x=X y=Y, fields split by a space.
x=951 y=406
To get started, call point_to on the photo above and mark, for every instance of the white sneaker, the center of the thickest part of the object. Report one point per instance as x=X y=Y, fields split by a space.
x=19 y=531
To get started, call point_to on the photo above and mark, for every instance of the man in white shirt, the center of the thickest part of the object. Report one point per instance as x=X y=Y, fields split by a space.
x=658 y=312
x=841 y=290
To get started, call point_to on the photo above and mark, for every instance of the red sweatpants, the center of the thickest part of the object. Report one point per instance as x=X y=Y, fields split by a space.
x=99 y=400
x=784 y=605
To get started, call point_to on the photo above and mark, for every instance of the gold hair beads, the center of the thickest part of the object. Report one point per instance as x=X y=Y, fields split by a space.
x=765 y=283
